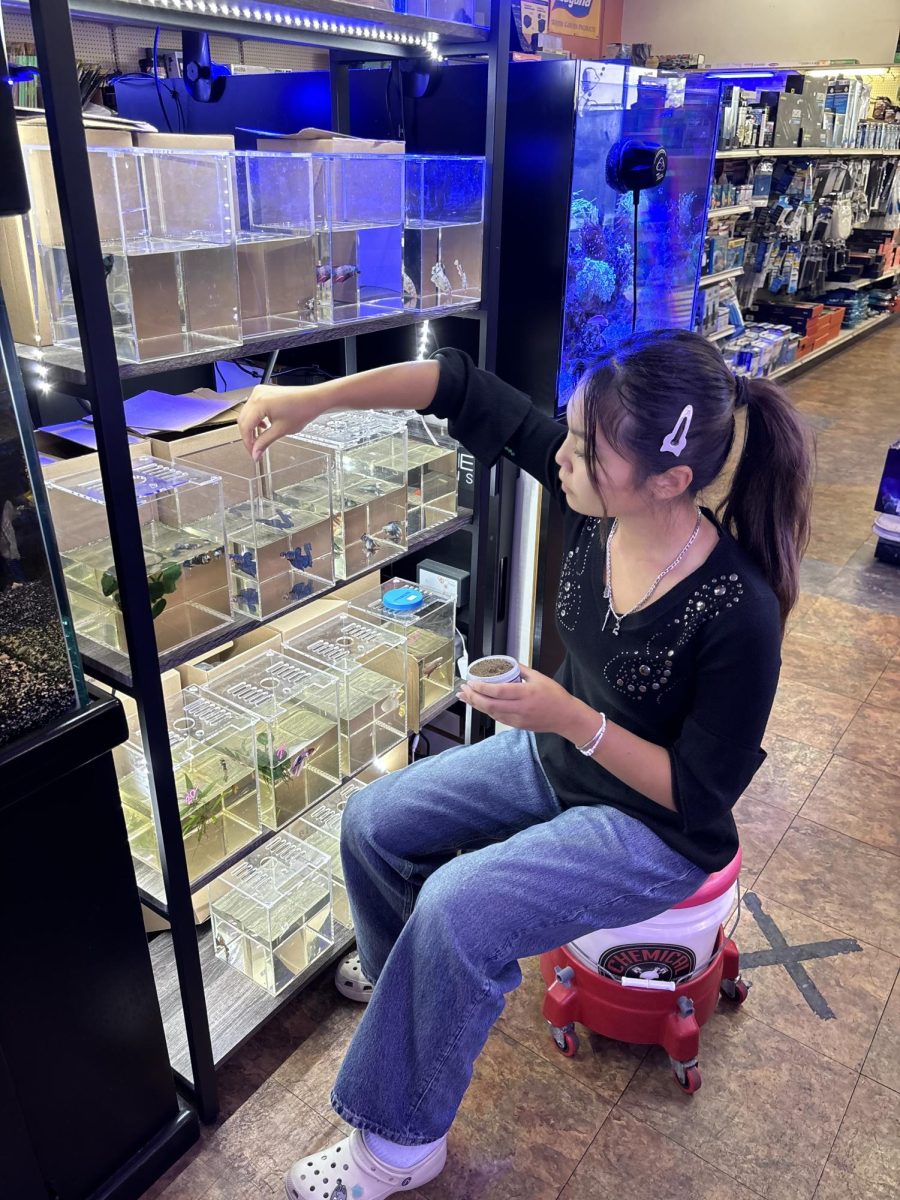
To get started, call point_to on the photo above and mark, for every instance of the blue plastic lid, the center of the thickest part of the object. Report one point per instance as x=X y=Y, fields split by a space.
x=403 y=599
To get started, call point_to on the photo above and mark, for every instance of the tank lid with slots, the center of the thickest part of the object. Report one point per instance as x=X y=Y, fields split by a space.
x=277 y=869
x=403 y=599
x=344 y=643
x=197 y=723
x=153 y=478
x=347 y=430
x=270 y=684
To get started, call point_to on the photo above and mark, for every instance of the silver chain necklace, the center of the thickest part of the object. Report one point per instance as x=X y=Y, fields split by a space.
x=608 y=592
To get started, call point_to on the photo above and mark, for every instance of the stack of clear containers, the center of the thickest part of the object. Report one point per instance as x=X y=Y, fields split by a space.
x=369 y=486
x=428 y=623
x=321 y=827
x=276 y=248
x=272 y=913
x=358 y=200
x=444 y=231
x=278 y=521
x=183 y=536
x=432 y=473
x=370 y=664
x=214 y=755
x=168 y=235
x=299 y=714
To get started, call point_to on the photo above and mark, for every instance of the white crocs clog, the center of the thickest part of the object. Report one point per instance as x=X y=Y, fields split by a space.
x=350 y=1171
x=350 y=981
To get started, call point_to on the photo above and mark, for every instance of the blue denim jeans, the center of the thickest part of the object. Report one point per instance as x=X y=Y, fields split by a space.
x=441 y=934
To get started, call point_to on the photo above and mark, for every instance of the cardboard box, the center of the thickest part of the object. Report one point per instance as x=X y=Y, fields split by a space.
x=323 y=141
x=170 y=446
x=205 y=668
x=183 y=141
x=301 y=618
x=77 y=462
x=171 y=685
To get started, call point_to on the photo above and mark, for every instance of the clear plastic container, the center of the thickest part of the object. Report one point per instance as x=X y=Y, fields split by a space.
x=272 y=912
x=358 y=201
x=444 y=232
x=213 y=749
x=369 y=486
x=41 y=679
x=276 y=242
x=428 y=622
x=168 y=235
x=370 y=664
x=432 y=474
x=183 y=536
x=278 y=522
x=321 y=827
x=299 y=712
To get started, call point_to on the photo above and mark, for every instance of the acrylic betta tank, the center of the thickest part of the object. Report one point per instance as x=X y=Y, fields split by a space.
x=616 y=101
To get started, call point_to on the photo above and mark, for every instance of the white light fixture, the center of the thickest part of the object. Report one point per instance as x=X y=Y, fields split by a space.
x=831 y=72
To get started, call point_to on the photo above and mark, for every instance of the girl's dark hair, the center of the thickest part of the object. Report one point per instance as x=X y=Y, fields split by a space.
x=635 y=394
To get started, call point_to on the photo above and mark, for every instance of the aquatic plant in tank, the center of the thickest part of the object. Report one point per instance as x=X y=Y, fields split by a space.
x=616 y=100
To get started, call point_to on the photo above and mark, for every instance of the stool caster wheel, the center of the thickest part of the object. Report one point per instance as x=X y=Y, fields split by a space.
x=735 y=990
x=687 y=1076
x=565 y=1040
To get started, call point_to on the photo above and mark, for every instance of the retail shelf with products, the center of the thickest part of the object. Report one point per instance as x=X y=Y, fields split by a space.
x=733 y=210
x=209 y=1008
x=65 y=366
x=859 y=284
x=112 y=668
x=850 y=335
x=807 y=152
x=721 y=334
x=720 y=277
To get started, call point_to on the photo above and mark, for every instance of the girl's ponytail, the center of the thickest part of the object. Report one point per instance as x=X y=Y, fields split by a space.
x=767 y=508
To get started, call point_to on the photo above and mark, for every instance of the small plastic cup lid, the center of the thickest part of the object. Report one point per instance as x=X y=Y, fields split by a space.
x=403 y=600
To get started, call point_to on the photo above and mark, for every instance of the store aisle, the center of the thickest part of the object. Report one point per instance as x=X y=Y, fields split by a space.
x=801 y=1087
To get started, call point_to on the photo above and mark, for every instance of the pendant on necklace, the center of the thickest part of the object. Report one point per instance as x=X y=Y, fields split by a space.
x=616 y=629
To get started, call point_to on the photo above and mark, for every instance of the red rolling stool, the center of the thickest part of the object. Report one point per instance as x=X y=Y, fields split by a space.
x=655 y=983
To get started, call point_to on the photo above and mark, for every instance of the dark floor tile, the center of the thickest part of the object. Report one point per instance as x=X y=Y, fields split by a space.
x=860 y=801
x=310 y=1071
x=872 y=585
x=767 y=1113
x=873 y=738
x=604 y=1066
x=843 y=670
x=845 y=884
x=865 y=1161
x=629 y=1159
x=789 y=773
x=864 y=630
x=816 y=576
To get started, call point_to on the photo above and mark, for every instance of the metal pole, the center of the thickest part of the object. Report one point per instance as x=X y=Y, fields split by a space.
x=57 y=61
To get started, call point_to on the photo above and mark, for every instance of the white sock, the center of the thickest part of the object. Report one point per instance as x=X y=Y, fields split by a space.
x=395 y=1155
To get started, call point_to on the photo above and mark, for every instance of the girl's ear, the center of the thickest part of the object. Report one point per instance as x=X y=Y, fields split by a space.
x=671 y=484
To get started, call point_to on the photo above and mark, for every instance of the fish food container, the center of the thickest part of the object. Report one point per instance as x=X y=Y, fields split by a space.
x=496 y=668
x=297 y=746
x=428 y=622
x=272 y=912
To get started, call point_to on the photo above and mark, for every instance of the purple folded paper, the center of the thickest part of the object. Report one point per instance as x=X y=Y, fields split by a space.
x=157 y=412
x=82 y=433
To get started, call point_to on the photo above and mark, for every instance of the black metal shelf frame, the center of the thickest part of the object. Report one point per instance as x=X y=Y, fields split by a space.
x=186 y=961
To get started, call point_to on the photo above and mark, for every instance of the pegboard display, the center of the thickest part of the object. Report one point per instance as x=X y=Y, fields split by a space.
x=118 y=47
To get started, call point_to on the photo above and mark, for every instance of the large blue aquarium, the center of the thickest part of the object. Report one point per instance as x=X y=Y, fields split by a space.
x=568 y=236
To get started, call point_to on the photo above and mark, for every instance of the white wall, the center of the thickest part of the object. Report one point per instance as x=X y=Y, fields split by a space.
x=767 y=31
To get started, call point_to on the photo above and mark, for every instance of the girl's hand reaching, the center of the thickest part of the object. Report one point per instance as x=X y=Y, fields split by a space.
x=273 y=412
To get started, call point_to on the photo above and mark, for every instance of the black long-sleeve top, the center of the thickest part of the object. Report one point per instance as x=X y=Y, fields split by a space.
x=695 y=671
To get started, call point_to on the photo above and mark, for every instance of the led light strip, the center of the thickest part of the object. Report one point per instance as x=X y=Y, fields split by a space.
x=267 y=15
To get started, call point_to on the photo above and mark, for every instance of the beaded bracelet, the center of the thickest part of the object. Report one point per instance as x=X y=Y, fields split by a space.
x=590 y=748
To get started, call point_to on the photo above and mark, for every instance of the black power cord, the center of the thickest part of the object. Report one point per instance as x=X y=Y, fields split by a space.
x=634 y=265
x=156 y=79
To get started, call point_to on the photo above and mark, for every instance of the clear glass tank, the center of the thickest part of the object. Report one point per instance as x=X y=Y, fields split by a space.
x=369 y=486
x=278 y=519
x=298 y=747
x=272 y=912
x=276 y=244
x=444 y=231
x=358 y=201
x=213 y=749
x=183 y=536
x=41 y=678
x=167 y=232
x=320 y=827
x=432 y=471
x=428 y=623
x=369 y=663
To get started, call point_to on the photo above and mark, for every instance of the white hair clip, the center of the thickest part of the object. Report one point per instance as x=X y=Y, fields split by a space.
x=675 y=442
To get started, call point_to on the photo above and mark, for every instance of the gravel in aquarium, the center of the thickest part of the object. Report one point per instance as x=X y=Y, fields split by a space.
x=35 y=681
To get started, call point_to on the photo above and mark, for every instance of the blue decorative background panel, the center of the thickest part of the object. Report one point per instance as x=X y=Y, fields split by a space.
x=616 y=100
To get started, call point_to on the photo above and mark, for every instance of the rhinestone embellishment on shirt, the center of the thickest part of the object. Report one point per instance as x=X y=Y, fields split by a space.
x=571 y=579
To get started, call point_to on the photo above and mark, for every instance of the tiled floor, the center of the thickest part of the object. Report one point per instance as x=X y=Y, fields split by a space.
x=801 y=1087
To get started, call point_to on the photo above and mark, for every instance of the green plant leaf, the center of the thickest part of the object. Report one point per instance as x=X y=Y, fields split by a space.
x=156 y=608
x=108 y=584
x=169 y=576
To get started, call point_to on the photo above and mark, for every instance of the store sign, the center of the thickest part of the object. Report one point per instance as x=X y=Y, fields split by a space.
x=576 y=18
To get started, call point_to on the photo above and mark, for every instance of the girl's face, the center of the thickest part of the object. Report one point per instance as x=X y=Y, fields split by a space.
x=616 y=474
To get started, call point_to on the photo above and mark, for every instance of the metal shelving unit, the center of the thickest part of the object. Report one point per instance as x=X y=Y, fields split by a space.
x=807 y=152
x=858 y=284
x=720 y=277
x=850 y=335
x=733 y=210
x=209 y=1009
